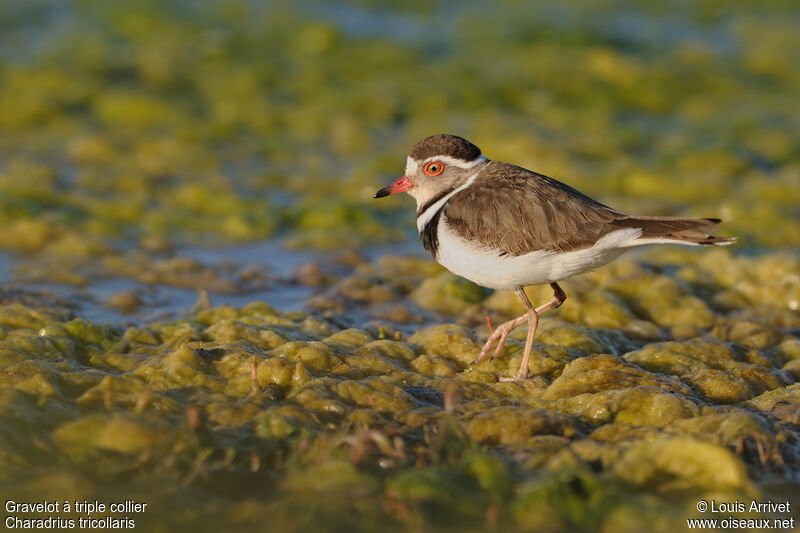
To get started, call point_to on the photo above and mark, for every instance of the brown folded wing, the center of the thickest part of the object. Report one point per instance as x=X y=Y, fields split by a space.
x=518 y=211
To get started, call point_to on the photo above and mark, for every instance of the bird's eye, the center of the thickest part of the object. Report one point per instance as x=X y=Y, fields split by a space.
x=434 y=168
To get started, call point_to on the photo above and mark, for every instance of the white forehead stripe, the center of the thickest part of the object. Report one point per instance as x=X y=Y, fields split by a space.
x=412 y=165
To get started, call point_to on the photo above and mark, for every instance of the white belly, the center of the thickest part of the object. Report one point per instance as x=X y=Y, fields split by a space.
x=488 y=268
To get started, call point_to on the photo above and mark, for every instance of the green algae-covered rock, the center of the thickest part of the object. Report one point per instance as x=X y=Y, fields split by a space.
x=282 y=422
x=598 y=309
x=572 y=499
x=636 y=406
x=782 y=403
x=439 y=366
x=601 y=372
x=738 y=430
x=748 y=333
x=15 y=315
x=376 y=394
x=672 y=463
x=447 y=293
x=262 y=337
x=514 y=425
x=569 y=336
x=116 y=392
x=440 y=488
x=336 y=477
x=403 y=268
x=318 y=397
x=455 y=343
x=118 y=433
x=717 y=369
x=315 y=356
x=347 y=339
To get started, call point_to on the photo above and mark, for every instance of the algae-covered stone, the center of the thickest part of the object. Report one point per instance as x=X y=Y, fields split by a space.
x=719 y=371
x=721 y=387
x=514 y=425
x=782 y=403
x=15 y=315
x=673 y=463
x=665 y=302
x=101 y=432
x=375 y=393
x=567 y=499
x=598 y=309
x=371 y=362
x=749 y=334
x=333 y=477
x=318 y=397
x=315 y=356
x=48 y=378
x=637 y=406
x=26 y=421
x=428 y=484
x=262 y=337
x=447 y=293
x=736 y=429
x=406 y=269
x=348 y=339
x=366 y=417
x=231 y=415
x=281 y=422
x=380 y=357
x=427 y=364
x=602 y=372
x=182 y=367
x=84 y=332
x=449 y=341
x=789 y=349
x=275 y=370
x=123 y=392
x=570 y=336
x=397 y=351
x=490 y=473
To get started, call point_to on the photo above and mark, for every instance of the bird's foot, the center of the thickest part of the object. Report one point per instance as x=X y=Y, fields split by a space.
x=499 y=336
x=521 y=376
x=515 y=379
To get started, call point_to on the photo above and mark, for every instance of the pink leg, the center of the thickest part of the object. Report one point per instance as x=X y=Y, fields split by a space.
x=532 y=317
x=499 y=335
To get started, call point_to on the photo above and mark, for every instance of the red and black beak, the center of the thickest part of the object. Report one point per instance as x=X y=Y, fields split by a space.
x=399 y=185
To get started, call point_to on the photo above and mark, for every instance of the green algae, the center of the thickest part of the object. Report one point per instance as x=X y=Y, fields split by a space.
x=447 y=293
x=254 y=388
x=680 y=462
x=406 y=430
x=83 y=436
x=665 y=378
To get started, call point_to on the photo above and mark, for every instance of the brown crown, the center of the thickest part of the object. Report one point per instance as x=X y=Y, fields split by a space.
x=444 y=144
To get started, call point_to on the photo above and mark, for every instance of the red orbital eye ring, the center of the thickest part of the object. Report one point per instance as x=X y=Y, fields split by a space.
x=434 y=168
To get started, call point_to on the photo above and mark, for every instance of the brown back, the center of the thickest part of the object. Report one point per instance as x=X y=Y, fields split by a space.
x=519 y=211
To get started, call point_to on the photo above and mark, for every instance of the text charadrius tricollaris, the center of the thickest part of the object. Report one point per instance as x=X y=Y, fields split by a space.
x=505 y=227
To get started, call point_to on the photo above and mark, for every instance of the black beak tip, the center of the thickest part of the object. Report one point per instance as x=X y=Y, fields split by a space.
x=381 y=193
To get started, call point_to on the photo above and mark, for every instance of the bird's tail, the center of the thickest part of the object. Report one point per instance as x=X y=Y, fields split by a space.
x=677 y=230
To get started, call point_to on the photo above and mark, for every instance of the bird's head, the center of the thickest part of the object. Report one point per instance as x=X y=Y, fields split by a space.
x=436 y=164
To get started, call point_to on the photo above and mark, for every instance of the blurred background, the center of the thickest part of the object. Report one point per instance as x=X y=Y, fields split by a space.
x=129 y=131
x=159 y=158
